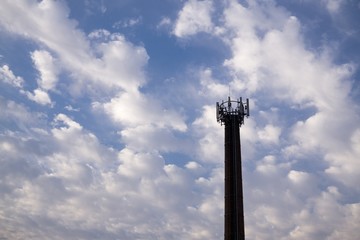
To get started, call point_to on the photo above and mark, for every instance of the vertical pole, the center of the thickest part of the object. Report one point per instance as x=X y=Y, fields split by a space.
x=234 y=210
x=233 y=118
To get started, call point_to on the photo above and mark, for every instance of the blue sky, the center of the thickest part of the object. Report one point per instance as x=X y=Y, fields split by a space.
x=108 y=127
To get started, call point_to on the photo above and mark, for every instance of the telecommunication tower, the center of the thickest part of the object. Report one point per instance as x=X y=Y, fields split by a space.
x=231 y=114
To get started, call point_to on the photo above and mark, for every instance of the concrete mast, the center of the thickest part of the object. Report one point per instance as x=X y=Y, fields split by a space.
x=233 y=117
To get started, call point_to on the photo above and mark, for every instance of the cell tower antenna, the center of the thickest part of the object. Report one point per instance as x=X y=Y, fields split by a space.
x=232 y=114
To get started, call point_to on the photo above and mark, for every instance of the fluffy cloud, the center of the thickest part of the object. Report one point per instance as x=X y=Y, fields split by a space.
x=46 y=66
x=270 y=134
x=47 y=80
x=60 y=181
x=193 y=18
x=137 y=109
x=7 y=76
x=76 y=183
x=210 y=143
x=72 y=182
x=39 y=96
x=211 y=87
x=114 y=67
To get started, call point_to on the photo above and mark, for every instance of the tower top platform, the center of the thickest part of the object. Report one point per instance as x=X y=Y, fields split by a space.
x=231 y=109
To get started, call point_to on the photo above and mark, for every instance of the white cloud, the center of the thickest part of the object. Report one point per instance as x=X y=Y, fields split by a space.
x=99 y=34
x=333 y=6
x=6 y=147
x=70 y=185
x=210 y=136
x=328 y=216
x=39 y=96
x=80 y=180
x=297 y=176
x=159 y=138
x=134 y=164
x=19 y=115
x=195 y=17
x=70 y=124
x=120 y=64
x=268 y=165
x=46 y=66
x=193 y=165
x=165 y=21
x=270 y=134
x=134 y=109
x=71 y=108
x=8 y=76
x=211 y=87
x=343 y=159
x=131 y=22
x=16 y=18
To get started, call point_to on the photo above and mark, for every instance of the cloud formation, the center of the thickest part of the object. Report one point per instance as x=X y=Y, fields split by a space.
x=7 y=76
x=162 y=176
x=193 y=18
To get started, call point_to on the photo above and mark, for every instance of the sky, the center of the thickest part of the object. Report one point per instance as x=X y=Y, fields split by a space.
x=108 y=126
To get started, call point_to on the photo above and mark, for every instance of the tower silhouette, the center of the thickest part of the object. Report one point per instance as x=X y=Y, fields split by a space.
x=233 y=117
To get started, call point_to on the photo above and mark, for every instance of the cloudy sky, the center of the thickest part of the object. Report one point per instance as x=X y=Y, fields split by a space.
x=108 y=127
